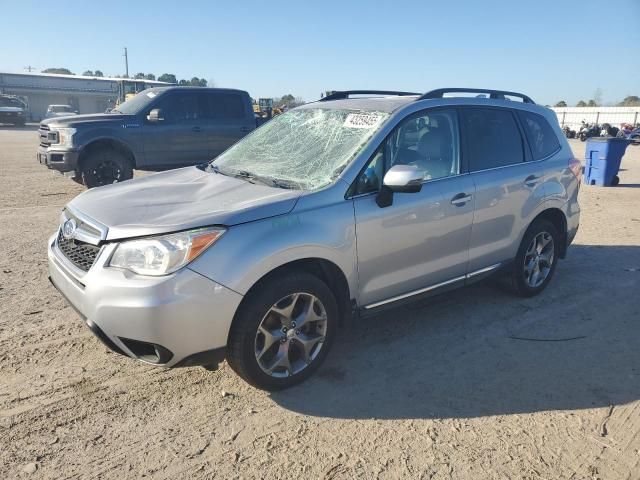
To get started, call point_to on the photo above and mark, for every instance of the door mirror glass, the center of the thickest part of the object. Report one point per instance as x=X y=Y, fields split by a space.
x=155 y=115
x=404 y=178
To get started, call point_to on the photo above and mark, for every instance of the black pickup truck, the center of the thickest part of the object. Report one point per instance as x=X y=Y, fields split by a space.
x=159 y=128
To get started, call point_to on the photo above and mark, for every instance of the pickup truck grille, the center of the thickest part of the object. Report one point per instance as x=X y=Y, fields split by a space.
x=45 y=135
x=81 y=254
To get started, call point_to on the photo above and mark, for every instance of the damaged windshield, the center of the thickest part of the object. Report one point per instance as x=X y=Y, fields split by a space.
x=305 y=148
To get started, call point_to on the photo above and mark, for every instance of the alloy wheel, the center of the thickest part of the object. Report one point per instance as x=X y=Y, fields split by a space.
x=538 y=259
x=291 y=335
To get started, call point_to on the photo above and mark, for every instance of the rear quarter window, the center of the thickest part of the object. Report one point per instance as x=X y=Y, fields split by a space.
x=541 y=137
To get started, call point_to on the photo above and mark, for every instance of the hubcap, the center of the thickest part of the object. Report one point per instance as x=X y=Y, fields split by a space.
x=291 y=335
x=538 y=259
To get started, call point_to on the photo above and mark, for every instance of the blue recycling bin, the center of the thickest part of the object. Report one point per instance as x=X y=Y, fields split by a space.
x=602 y=160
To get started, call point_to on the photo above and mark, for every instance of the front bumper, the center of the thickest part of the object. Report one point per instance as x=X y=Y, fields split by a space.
x=58 y=159
x=181 y=319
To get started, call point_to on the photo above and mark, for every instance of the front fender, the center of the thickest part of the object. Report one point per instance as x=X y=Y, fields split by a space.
x=131 y=141
x=248 y=252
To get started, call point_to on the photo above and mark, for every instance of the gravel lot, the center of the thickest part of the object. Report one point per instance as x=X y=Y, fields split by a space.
x=453 y=388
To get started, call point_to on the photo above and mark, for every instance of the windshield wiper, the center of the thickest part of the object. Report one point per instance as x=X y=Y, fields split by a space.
x=250 y=177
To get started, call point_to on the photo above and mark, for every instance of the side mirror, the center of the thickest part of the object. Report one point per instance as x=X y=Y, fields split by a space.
x=401 y=179
x=155 y=115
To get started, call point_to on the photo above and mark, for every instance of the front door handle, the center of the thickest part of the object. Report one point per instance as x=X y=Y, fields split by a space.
x=532 y=180
x=460 y=199
x=196 y=129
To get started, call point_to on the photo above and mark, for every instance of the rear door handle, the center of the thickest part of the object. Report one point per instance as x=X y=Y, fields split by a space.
x=531 y=180
x=460 y=199
x=196 y=129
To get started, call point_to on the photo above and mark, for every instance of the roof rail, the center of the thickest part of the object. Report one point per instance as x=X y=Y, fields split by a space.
x=496 y=94
x=341 y=95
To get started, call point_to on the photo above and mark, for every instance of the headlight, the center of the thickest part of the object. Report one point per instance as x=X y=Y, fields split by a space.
x=65 y=136
x=164 y=254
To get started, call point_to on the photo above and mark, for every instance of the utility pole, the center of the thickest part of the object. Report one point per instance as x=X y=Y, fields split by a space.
x=29 y=68
x=126 y=62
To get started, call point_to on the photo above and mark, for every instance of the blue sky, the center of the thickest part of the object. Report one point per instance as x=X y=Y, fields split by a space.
x=550 y=50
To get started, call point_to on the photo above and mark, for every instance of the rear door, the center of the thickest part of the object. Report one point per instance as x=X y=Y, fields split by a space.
x=228 y=119
x=509 y=186
x=180 y=139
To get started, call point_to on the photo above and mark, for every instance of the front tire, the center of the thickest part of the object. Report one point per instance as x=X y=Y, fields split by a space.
x=104 y=167
x=283 y=330
x=536 y=260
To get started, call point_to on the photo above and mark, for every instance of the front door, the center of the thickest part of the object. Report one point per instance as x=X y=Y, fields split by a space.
x=422 y=239
x=180 y=139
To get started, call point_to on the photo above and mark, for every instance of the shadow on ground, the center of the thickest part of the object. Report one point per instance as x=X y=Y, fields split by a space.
x=479 y=351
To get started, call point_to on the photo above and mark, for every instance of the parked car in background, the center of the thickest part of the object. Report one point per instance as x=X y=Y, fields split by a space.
x=158 y=129
x=336 y=208
x=13 y=111
x=60 y=111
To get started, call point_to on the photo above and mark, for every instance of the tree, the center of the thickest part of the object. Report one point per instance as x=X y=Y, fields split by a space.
x=139 y=75
x=87 y=73
x=592 y=103
x=58 y=71
x=150 y=76
x=561 y=103
x=98 y=73
x=581 y=103
x=167 y=77
x=183 y=83
x=197 y=82
x=597 y=97
x=630 y=101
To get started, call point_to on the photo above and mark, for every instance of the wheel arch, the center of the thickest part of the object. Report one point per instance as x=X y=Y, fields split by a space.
x=324 y=269
x=558 y=219
x=109 y=143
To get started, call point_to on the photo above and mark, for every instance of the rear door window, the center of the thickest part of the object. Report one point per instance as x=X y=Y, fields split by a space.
x=492 y=138
x=225 y=106
x=541 y=137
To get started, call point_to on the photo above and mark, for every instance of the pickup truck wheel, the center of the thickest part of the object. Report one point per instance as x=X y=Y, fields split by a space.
x=104 y=167
x=283 y=330
x=535 y=261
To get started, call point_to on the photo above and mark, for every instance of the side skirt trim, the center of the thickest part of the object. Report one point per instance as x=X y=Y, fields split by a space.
x=433 y=287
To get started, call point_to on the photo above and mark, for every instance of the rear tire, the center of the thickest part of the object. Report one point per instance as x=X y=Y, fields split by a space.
x=265 y=349
x=615 y=181
x=536 y=260
x=104 y=167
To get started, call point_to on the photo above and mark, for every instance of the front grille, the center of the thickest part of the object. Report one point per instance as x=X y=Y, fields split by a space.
x=43 y=133
x=81 y=254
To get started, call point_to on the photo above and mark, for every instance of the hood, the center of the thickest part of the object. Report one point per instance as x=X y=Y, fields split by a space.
x=78 y=120
x=178 y=200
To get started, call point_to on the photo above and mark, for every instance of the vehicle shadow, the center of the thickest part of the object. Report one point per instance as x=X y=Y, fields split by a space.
x=479 y=351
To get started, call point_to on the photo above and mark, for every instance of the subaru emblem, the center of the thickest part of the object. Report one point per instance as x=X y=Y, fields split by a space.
x=69 y=228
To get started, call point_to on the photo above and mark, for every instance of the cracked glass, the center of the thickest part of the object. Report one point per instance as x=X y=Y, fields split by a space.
x=304 y=149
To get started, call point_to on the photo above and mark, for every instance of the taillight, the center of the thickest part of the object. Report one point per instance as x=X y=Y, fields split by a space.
x=575 y=166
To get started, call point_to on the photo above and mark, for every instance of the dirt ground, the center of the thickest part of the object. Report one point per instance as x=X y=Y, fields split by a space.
x=477 y=384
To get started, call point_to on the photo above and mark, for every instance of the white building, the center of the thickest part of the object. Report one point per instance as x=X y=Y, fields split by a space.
x=84 y=94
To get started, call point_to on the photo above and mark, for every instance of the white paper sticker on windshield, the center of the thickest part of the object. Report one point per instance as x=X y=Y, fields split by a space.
x=362 y=120
x=151 y=94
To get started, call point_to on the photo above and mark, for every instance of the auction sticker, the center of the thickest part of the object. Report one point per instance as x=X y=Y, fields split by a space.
x=362 y=120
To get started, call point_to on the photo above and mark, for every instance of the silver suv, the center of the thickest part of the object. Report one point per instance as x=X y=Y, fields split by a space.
x=337 y=208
